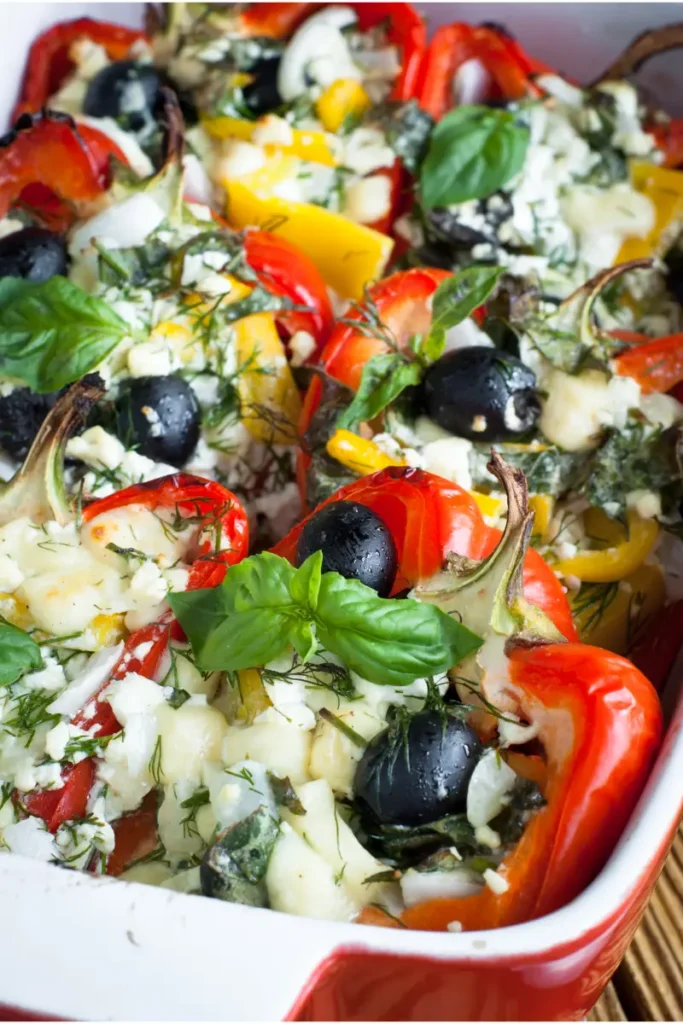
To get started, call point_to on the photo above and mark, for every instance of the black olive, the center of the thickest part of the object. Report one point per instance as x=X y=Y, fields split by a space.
x=410 y=775
x=21 y=415
x=35 y=254
x=674 y=264
x=127 y=91
x=160 y=416
x=482 y=394
x=354 y=541
x=261 y=94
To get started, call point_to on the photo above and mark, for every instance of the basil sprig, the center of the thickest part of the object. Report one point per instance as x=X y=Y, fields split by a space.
x=264 y=604
x=387 y=375
x=473 y=152
x=52 y=332
x=19 y=653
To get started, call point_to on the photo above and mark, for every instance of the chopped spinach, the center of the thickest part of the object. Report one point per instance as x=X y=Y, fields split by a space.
x=233 y=868
x=548 y=469
x=407 y=129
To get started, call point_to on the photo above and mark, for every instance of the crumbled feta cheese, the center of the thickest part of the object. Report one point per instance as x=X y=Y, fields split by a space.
x=238 y=159
x=491 y=780
x=302 y=345
x=88 y=682
x=121 y=226
x=150 y=358
x=56 y=741
x=487 y=836
x=272 y=130
x=661 y=410
x=496 y=883
x=96 y=448
x=134 y=695
x=366 y=150
x=466 y=335
x=449 y=458
x=368 y=200
x=646 y=503
x=30 y=838
x=454 y=926
x=49 y=677
x=421 y=886
x=11 y=575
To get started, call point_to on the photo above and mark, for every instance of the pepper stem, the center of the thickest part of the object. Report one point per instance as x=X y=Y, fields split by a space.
x=37 y=490
x=489 y=595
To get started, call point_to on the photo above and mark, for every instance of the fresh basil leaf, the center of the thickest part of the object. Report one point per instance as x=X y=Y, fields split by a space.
x=52 y=332
x=392 y=642
x=458 y=296
x=384 y=377
x=473 y=152
x=19 y=653
x=305 y=585
x=247 y=621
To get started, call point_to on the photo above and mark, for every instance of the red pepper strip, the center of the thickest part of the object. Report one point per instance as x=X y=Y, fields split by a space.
x=49 y=62
x=407 y=32
x=455 y=44
x=285 y=271
x=600 y=724
x=55 y=806
x=97 y=715
x=194 y=496
x=429 y=517
x=48 y=150
x=670 y=140
x=135 y=836
x=656 y=365
x=401 y=302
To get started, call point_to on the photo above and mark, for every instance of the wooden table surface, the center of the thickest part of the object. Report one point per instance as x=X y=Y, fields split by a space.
x=649 y=983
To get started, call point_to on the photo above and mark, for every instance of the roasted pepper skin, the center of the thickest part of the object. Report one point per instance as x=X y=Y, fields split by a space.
x=600 y=726
x=429 y=518
x=49 y=64
x=54 y=167
x=452 y=45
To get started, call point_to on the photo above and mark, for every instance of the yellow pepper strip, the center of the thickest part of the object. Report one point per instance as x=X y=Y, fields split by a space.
x=358 y=454
x=610 y=615
x=488 y=505
x=664 y=188
x=602 y=530
x=306 y=145
x=542 y=505
x=269 y=399
x=15 y=611
x=614 y=563
x=253 y=697
x=343 y=98
x=347 y=255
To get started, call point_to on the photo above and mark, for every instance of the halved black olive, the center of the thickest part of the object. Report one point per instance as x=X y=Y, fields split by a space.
x=354 y=541
x=160 y=416
x=261 y=94
x=128 y=91
x=35 y=254
x=419 y=772
x=21 y=415
x=674 y=264
x=482 y=394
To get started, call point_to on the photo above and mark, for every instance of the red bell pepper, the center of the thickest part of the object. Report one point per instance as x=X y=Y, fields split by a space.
x=401 y=306
x=429 y=518
x=55 y=806
x=504 y=60
x=287 y=272
x=222 y=525
x=407 y=32
x=49 y=61
x=656 y=365
x=136 y=836
x=220 y=517
x=600 y=723
x=53 y=166
x=275 y=20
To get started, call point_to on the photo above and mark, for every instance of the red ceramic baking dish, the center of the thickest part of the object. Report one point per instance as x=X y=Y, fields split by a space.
x=78 y=947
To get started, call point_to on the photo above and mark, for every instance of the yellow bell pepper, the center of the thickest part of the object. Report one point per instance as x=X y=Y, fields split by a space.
x=664 y=188
x=611 y=615
x=108 y=629
x=358 y=454
x=614 y=563
x=305 y=145
x=488 y=505
x=269 y=398
x=343 y=98
x=15 y=611
x=542 y=505
x=347 y=255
